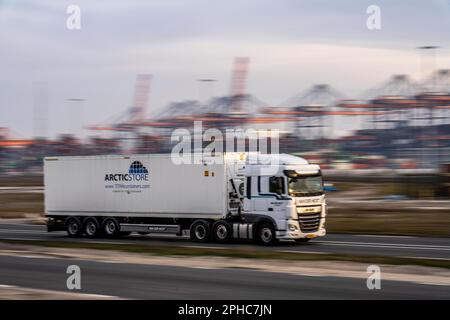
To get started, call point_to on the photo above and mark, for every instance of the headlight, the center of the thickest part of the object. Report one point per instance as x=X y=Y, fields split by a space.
x=292 y=227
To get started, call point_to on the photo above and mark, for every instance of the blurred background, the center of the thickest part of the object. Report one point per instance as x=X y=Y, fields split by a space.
x=372 y=107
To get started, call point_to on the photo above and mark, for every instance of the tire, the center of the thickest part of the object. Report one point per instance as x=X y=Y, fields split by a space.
x=91 y=227
x=200 y=231
x=111 y=227
x=73 y=227
x=266 y=234
x=222 y=231
x=302 y=240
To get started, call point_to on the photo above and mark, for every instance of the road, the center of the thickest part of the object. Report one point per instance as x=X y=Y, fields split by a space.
x=166 y=282
x=416 y=247
x=138 y=281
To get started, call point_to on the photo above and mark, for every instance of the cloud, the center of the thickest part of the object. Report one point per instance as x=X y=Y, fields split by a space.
x=292 y=44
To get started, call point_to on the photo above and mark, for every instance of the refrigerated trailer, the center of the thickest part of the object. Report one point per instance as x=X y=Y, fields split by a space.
x=227 y=196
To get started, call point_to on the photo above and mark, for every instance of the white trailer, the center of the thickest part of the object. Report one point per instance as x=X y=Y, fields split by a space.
x=219 y=198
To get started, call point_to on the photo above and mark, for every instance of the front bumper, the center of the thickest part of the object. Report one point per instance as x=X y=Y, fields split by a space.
x=292 y=235
x=294 y=229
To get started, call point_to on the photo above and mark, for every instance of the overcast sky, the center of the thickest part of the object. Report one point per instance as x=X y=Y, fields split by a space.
x=292 y=45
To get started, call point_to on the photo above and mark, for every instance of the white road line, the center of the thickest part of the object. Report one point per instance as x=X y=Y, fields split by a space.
x=385 y=245
x=103 y=242
x=30 y=257
x=80 y=294
x=434 y=284
x=382 y=236
x=429 y=258
x=204 y=268
x=205 y=247
x=93 y=295
x=312 y=252
x=26 y=239
x=23 y=224
x=22 y=231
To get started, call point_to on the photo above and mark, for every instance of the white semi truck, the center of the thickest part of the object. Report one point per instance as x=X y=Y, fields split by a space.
x=259 y=197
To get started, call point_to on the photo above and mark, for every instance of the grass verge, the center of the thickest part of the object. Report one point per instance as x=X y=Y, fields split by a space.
x=235 y=253
x=420 y=222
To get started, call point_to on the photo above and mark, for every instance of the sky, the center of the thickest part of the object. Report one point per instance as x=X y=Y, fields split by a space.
x=292 y=45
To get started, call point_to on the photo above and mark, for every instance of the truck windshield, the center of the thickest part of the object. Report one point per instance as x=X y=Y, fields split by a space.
x=305 y=186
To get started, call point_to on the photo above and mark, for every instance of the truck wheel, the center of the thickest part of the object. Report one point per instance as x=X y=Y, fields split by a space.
x=222 y=231
x=266 y=234
x=91 y=227
x=200 y=231
x=73 y=227
x=111 y=227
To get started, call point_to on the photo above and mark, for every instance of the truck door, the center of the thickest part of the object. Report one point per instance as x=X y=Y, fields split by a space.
x=248 y=206
x=261 y=201
x=252 y=201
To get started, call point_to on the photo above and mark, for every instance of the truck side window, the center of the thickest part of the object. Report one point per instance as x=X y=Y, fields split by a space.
x=276 y=185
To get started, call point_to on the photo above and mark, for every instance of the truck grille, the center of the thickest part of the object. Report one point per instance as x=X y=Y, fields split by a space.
x=309 y=222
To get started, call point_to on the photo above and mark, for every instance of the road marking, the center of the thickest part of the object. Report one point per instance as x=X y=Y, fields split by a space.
x=21 y=231
x=94 y=295
x=385 y=245
x=205 y=247
x=205 y=268
x=22 y=239
x=81 y=294
x=434 y=284
x=294 y=251
x=383 y=236
x=430 y=258
x=101 y=242
x=30 y=257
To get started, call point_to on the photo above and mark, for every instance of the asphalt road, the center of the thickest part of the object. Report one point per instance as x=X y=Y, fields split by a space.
x=165 y=282
x=418 y=247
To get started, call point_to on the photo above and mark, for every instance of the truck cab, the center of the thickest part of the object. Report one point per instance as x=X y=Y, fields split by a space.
x=283 y=198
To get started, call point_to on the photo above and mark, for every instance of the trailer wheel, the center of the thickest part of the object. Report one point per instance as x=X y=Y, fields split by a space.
x=73 y=227
x=91 y=227
x=266 y=234
x=222 y=231
x=200 y=231
x=111 y=227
